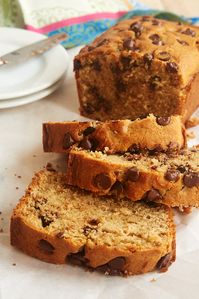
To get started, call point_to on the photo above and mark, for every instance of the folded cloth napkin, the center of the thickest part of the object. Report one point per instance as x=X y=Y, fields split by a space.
x=81 y=20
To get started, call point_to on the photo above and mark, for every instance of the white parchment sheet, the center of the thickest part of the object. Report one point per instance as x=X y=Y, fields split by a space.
x=24 y=277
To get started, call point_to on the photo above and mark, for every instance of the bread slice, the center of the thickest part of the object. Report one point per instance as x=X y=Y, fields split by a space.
x=57 y=224
x=153 y=133
x=169 y=179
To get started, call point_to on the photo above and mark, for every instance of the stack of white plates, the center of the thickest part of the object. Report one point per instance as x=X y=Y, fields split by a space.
x=31 y=80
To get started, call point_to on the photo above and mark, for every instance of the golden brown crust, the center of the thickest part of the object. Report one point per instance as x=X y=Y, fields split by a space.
x=139 y=66
x=38 y=243
x=83 y=168
x=115 y=136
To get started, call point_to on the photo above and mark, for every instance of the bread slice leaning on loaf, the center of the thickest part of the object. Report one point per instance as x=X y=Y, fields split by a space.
x=152 y=133
x=60 y=224
x=169 y=179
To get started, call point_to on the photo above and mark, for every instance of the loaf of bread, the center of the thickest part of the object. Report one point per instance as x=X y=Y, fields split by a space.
x=151 y=133
x=142 y=65
x=171 y=179
x=57 y=224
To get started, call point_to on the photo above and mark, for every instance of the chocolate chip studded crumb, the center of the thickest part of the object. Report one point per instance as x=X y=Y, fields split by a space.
x=46 y=247
x=132 y=174
x=172 y=67
x=191 y=179
x=172 y=175
x=67 y=141
x=102 y=181
x=163 y=121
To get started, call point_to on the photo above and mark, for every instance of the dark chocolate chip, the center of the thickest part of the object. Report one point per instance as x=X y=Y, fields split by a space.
x=46 y=246
x=45 y=222
x=137 y=28
x=163 y=120
x=88 y=131
x=85 y=143
x=181 y=168
x=154 y=82
x=172 y=175
x=94 y=222
x=126 y=62
x=102 y=181
x=165 y=262
x=164 y=56
x=156 y=39
x=156 y=150
x=97 y=65
x=77 y=65
x=133 y=174
x=155 y=22
x=49 y=167
x=148 y=58
x=153 y=194
x=172 y=67
x=60 y=235
x=134 y=149
x=189 y=31
x=183 y=42
x=191 y=179
x=121 y=87
x=117 y=188
x=113 y=267
x=67 y=141
x=86 y=230
x=77 y=258
x=129 y=44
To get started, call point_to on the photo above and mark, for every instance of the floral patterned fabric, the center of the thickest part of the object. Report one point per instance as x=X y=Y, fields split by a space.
x=81 y=20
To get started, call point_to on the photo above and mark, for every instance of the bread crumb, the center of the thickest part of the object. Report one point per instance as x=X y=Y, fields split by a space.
x=19 y=176
x=0 y=212
x=153 y=279
x=17 y=188
x=1 y=230
x=34 y=156
x=190 y=135
x=192 y=122
x=14 y=264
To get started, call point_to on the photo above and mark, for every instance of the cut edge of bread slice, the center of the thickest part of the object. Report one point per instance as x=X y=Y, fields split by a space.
x=59 y=224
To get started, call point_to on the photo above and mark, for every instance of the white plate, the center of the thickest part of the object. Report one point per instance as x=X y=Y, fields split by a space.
x=32 y=97
x=35 y=74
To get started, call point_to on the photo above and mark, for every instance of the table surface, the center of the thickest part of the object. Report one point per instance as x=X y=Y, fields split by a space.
x=21 y=154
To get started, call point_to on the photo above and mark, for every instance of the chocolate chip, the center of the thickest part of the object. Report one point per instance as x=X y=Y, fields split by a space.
x=97 y=65
x=183 y=42
x=189 y=31
x=181 y=168
x=60 y=235
x=172 y=175
x=114 y=68
x=155 y=22
x=88 y=108
x=88 y=131
x=121 y=87
x=153 y=194
x=154 y=82
x=164 y=56
x=117 y=188
x=146 y=18
x=67 y=141
x=77 y=65
x=113 y=267
x=94 y=222
x=134 y=149
x=45 y=222
x=148 y=58
x=163 y=120
x=46 y=246
x=129 y=44
x=156 y=150
x=87 y=230
x=191 y=179
x=137 y=28
x=133 y=174
x=172 y=67
x=156 y=39
x=85 y=144
x=102 y=181
x=77 y=258
x=165 y=262
x=173 y=146
x=49 y=167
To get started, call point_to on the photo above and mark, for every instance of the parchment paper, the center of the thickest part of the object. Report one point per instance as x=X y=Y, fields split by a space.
x=24 y=277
